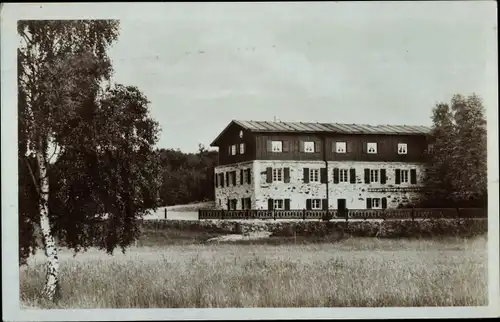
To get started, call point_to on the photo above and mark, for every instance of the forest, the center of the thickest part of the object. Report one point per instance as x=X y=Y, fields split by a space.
x=186 y=177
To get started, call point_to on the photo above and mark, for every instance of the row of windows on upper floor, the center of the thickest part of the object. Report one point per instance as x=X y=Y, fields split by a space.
x=313 y=147
x=340 y=175
x=311 y=204
x=337 y=147
x=229 y=178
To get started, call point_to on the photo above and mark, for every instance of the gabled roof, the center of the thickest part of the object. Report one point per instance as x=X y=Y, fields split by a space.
x=340 y=128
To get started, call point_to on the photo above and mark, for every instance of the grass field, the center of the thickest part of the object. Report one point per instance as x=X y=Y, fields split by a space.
x=353 y=272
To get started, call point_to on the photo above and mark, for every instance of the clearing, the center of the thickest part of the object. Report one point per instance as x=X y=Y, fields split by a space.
x=354 y=272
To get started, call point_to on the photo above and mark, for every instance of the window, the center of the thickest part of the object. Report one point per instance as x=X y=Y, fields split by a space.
x=313 y=175
x=404 y=175
x=371 y=148
x=277 y=146
x=309 y=147
x=402 y=148
x=242 y=148
x=233 y=149
x=316 y=204
x=376 y=204
x=277 y=174
x=232 y=204
x=279 y=204
x=343 y=174
x=248 y=202
x=373 y=175
x=244 y=176
x=430 y=148
x=340 y=147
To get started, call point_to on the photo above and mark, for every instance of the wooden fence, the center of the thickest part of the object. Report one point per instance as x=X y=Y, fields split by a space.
x=404 y=213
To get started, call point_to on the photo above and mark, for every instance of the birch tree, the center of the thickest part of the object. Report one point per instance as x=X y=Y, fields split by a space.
x=63 y=115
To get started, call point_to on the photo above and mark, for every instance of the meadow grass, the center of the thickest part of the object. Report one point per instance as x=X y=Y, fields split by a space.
x=354 y=272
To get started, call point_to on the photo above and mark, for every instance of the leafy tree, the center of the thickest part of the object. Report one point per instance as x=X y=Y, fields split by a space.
x=456 y=171
x=92 y=144
x=187 y=177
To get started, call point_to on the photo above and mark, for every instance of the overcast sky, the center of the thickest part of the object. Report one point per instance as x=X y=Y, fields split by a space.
x=202 y=65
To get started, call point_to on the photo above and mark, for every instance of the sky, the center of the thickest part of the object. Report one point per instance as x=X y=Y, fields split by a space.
x=202 y=65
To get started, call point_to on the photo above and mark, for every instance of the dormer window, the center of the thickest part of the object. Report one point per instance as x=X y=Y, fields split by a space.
x=402 y=148
x=371 y=148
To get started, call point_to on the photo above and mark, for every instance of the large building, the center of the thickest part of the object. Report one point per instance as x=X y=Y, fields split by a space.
x=295 y=165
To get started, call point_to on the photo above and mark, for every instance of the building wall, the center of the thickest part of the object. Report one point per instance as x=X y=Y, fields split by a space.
x=232 y=136
x=387 y=148
x=356 y=147
x=291 y=147
x=355 y=194
x=238 y=191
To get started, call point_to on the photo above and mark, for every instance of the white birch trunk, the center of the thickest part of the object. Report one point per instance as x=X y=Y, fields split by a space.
x=51 y=288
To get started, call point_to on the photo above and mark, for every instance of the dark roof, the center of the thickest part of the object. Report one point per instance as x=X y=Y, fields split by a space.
x=310 y=127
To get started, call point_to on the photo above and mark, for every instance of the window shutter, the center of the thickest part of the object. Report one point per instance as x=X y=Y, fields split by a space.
x=413 y=176
x=317 y=146
x=352 y=174
x=383 y=176
x=249 y=203
x=367 y=176
x=334 y=146
x=302 y=149
x=229 y=150
x=348 y=147
x=242 y=203
x=308 y=204
x=228 y=204
x=221 y=179
x=216 y=179
x=286 y=146
x=384 y=203
x=234 y=178
x=270 y=204
x=249 y=176
x=269 y=146
x=398 y=176
x=241 y=176
x=323 y=176
x=237 y=149
x=368 y=203
x=325 y=204
x=306 y=175
x=269 y=174
x=286 y=175
x=227 y=179
x=335 y=175
x=287 y=204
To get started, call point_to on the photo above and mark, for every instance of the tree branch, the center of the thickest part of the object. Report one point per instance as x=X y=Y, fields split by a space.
x=32 y=175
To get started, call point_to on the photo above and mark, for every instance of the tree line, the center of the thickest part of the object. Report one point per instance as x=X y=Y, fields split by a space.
x=87 y=152
x=187 y=177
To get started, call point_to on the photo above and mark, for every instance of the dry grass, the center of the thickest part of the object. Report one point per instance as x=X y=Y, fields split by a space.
x=350 y=273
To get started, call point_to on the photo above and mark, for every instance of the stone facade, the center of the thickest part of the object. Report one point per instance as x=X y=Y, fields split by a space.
x=259 y=190
x=237 y=191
